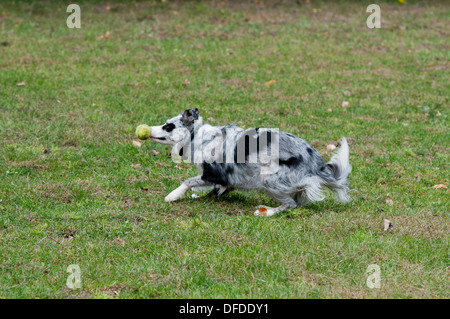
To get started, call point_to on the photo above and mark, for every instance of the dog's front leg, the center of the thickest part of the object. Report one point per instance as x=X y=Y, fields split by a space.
x=218 y=191
x=183 y=188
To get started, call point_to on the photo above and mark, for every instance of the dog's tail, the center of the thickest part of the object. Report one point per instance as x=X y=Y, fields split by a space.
x=336 y=172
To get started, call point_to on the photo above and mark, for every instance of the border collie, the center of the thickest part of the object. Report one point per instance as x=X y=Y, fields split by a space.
x=229 y=157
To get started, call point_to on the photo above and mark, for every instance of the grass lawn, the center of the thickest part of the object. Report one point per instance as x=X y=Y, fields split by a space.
x=75 y=190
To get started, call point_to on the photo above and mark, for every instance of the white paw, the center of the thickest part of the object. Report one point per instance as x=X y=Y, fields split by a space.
x=176 y=194
x=171 y=197
x=264 y=211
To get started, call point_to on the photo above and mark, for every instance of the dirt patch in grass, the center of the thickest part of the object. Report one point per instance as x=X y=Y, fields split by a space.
x=427 y=226
x=114 y=291
x=30 y=164
x=54 y=191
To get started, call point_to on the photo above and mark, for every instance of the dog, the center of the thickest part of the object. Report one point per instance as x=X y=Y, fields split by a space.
x=229 y=157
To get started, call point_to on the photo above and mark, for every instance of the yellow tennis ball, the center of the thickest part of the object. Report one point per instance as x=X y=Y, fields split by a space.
x=143 y=132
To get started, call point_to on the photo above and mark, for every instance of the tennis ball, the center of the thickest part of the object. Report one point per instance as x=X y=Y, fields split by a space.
x=143 y=132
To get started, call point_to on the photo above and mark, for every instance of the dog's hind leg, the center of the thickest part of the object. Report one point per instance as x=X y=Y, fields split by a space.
x=287 y=203
x=183 y=188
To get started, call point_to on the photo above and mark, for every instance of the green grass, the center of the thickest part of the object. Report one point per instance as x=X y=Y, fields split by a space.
x=84 y=203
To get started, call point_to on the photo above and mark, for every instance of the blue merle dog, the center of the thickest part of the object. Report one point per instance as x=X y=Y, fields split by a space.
x=228 y=157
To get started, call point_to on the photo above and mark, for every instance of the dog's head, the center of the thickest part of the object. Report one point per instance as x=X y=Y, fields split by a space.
x=176 y=128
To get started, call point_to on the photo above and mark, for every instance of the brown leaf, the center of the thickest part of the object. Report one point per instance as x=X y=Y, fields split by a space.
x=345 y=104
x=439 y=186
x=186 y=82
x=107 y=35
x=154 y=152
x=136 y=166
x=137 y=143
x=269 y=82
x=388 y=225
x=21 y=83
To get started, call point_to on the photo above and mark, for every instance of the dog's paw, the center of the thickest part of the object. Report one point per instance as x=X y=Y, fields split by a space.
x=171 y=198
x=176 y=194
x=263 y=211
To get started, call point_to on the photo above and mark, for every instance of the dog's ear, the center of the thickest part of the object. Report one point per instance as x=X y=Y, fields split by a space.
x=189 y=116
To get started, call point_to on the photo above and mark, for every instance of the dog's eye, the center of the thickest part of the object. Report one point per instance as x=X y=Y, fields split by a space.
x=168 y=127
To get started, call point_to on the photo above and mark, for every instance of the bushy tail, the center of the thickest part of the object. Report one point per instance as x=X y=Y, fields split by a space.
x=340 y=168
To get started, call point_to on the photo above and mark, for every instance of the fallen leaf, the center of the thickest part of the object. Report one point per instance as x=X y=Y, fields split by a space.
x=186 y=82
x=270 y=82
x=21 y=83
x=347 y=93
x=137 y=143
x=331 y=147
x=211 y=119
x=389 y=201
x=388 y=225
x=439 y=186
x=345 y=103
x=107 y=35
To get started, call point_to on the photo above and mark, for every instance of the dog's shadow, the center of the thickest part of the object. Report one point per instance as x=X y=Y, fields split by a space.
x=235 y=198
x=250 y=200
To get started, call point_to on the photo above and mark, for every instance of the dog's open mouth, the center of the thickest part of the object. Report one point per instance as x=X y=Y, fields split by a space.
x=158 y=138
